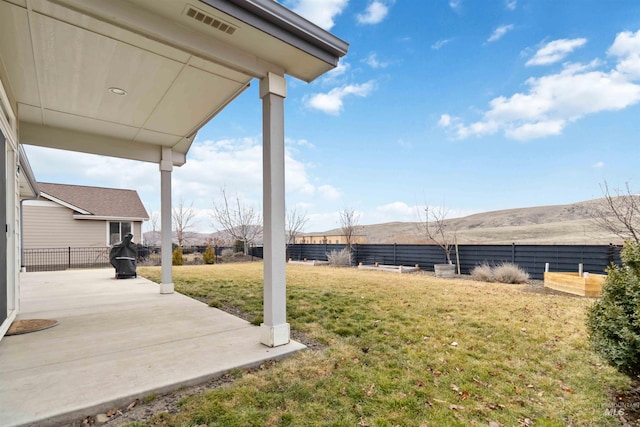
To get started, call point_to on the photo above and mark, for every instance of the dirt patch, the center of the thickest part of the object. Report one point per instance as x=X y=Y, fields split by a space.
x=142 y=411
x=626 y=406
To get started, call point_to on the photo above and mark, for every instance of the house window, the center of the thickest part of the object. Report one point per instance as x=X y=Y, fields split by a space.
x=117 y=231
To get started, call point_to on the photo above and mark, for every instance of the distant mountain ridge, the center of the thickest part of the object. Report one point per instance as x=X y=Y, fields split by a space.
x=556 y=224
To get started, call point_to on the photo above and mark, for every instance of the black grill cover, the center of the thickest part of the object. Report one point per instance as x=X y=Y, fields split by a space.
x=122 y=257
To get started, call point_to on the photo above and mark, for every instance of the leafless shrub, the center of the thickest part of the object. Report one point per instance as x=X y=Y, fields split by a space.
x=295 y=222
x=349 y=222
x=435 y=227
x=482 y=273
x=339 y=258
x=152 y=261
x=226 y=253
x=183 y=220
x=618 y=212
x=195 y=259
x=509 y=273
x=240 y=221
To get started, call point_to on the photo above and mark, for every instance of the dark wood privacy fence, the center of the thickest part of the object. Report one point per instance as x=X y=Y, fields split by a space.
x=532 y=258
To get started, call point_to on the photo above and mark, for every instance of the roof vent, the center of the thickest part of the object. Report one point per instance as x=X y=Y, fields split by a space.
x=209 y=20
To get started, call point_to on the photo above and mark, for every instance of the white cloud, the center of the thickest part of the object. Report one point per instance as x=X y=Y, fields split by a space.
x=298 y=143
x=555 y=100
x=235 y=164
x=555 y=51
x=437 y=45
x=455 y=4
x=323 y=221
x=373 y=62
x=499 y=32
x=626 y=47
x=331 y=102
x=374 y=14
x=445 y=120
x=399 y=210
x=511 y=4
x=536 y=130
x=598 y=165
x=329 y=192
x=340 y=70
x=321 y=13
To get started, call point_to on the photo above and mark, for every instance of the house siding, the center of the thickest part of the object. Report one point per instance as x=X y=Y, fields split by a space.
x=137 y=232
x=52 y=226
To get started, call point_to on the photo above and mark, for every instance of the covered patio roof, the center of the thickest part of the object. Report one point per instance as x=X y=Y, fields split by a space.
x=137 y=79
x=126 y=78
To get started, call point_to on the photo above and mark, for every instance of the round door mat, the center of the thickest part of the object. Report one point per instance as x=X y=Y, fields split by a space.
x=30 y=325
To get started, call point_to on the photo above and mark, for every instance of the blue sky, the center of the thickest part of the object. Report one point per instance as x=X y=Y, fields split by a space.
x=472 y=105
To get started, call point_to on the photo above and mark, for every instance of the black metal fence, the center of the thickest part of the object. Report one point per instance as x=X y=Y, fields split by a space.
x=56 y=259
x=532 y=258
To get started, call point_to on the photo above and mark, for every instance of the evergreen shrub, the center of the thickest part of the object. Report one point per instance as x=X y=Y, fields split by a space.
x=177 y=258
x=613 y=321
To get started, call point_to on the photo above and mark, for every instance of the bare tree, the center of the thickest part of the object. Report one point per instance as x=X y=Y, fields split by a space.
x=350 y=224
x=240 y=221
x=154 y=219
x=183 y=221
x=619 y=212
x=434 y=227
x=295 y=224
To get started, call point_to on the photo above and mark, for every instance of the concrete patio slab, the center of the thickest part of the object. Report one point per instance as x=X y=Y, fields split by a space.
x=117 y=340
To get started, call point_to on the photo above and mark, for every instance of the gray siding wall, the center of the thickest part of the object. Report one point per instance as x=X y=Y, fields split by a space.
x=54 y=227
x=137 y=232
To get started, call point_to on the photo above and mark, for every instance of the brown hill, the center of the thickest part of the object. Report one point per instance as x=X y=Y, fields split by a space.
x=558 y=224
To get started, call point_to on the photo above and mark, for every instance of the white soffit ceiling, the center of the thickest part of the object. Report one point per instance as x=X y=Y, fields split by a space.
x=61 y=64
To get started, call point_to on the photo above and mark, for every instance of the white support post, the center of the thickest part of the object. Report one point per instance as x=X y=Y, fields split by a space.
x=275 y=329
x=166 y=167
x=580 y=270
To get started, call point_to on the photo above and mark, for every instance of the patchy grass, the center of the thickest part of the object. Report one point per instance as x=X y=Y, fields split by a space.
x=407 y=350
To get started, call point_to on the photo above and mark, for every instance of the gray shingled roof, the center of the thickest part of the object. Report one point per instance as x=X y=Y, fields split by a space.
x=102 y=202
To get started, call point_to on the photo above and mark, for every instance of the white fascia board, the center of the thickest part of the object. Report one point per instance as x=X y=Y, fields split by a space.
x=278 y=21
x=63 y=203
x=26 y=172
x=110 y=218
x=85 y=142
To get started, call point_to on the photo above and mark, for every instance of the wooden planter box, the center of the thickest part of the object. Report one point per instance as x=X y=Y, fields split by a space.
x=574 y=284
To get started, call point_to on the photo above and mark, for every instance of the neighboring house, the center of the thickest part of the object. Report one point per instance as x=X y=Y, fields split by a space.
x=81 y=216
x=324 y=238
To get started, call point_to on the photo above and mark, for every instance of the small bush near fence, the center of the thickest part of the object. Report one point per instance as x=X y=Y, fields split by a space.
x=209 y=256
x=510 y=273
x=505 y=272
x=340 y=258
x=482 y=273
x=177 y=258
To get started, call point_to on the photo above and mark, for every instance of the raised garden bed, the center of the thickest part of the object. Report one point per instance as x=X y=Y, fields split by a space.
x=389 y=268
x=587 y=285
x=311 y=263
